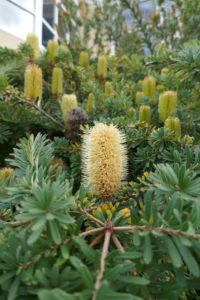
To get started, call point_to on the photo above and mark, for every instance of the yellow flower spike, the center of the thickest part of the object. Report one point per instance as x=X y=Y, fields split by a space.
x=57 y=81
x=167 y=104
x=68 y=103
x=52 y=48
x=104 y=159
x=102 y=66
x=5 y=173
x=32 y=40
x=125 y=27
x=90 y=103
x=33 y=82
x=149 y=87
x=138 y=97
x=146 y=174
x=174 y=125
x=84 y=59
x=140 y=83
x=113 y=209
x=108 y=89
x=145 y=114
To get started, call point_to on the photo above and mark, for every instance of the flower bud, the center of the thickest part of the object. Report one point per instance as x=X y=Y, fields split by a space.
x=57 y=81
x=164 y=71
x=167 y=104
x=68 y=103
x=52 y=48
x=145 y=114
x=102 y=66
x=174 y=125
x=33 y=82
x=90 y=103
x=149 y=87
x=32 y=40
x=138 y=97
x=84 y=59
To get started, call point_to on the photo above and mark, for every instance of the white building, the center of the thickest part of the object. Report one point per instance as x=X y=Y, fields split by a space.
x=18 y=18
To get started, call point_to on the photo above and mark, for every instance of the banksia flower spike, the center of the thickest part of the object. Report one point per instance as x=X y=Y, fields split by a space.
x=90 y=103
x=108 y=89
x=102 y=66
x=138 y=97
x=33 y=82
x=174 y=125
x=68 y=103
x=149 y=87
x=32 y=40
x=104 y=159
x=167 y=104
x=125 y=27
x=145 y=114
x=57 y=81
x=52 y=48
x=84 y=59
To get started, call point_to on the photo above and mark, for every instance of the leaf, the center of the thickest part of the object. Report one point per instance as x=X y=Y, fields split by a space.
x=54 y=231
x=135 y=280
x=55 y=294
x=90 y=253
x=106 y=293
x=83 y=271
x=113 y=273
x=34 y=236
x=130 y=255
x=147 y=250
x=13 y=288
x=187 y=257
x=7 y=276
x=173 y=253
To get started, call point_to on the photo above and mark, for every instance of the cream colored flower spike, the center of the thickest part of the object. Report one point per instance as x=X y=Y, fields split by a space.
x=104 y=158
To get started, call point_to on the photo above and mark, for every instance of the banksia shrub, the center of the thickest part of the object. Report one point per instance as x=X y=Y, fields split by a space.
x=33 y=82
x=5 y=173
x=167 y=104
x=108 y=89
x=104 y=159
x=84 y=59
x=77 y=118
x=32 y=40
x=52 y=48
x=138 y=97
x=149 y=87
x=102 y=66
x=174 y=125
x=90 y=103
x=57 y=81
x=145 y=114
x=68 y=103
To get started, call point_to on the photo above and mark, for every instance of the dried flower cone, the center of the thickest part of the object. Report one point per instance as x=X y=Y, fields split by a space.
x=174 y=125
x=149 y=87
x=32 y=40
x=33 y=82
x=68 y=103
x=57 y=81
x=52 y=49
x=145 y=114
x=167 y=104
x=102 y=66
x=84 y=59
x=104 y=159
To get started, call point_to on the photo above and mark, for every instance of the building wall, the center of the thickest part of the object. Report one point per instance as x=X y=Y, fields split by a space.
x=8 y=40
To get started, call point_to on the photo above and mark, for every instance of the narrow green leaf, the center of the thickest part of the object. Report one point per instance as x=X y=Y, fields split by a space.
x=135 y=280
x=147 y=250
x=54 y=231
x=173 y=253
x=13 y=288
x=83 y=271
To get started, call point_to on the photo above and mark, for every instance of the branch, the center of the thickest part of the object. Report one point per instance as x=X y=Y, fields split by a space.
x=91 y=217
x=97 y=239
x=103 y=262
x=30 y=103
x=168 y=231
x=18 y=223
